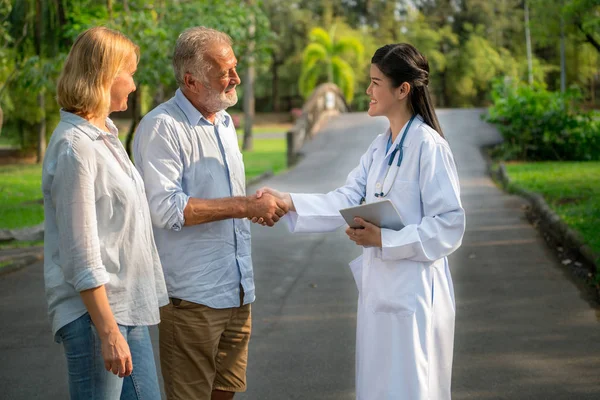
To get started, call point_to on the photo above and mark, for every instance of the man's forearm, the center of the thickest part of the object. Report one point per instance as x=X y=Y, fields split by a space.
x=200 y=211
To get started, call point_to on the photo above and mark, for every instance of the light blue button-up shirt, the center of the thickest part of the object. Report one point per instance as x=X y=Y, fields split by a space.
x=180 y=154
x=97 y=227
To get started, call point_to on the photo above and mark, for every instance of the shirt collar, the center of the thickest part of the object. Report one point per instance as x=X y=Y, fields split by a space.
x=194 y=116
x=92 y=131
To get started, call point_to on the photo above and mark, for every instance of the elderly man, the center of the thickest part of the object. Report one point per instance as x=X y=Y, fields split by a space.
x=186 y=150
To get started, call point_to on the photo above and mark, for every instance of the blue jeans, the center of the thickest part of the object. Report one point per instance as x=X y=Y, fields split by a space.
x=89 y=380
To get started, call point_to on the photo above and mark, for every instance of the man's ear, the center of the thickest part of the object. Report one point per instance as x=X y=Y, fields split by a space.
x=403 y=90
x=193 y=84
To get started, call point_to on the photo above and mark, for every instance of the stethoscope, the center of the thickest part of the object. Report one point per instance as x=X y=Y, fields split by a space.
x=397 y=149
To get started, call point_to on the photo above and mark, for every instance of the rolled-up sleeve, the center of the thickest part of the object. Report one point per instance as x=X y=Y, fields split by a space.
x=73 y=195
x=442 y=227
x=157 y=156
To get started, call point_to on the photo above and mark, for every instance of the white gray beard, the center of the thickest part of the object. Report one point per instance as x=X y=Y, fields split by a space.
x=220 y=101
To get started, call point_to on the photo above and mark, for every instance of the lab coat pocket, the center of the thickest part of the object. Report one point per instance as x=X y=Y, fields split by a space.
x=356 y=266
x=406 y=196
x=392 y=287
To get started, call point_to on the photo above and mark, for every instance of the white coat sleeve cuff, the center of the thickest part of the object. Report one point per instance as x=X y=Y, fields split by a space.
x=308 y=224
x=291 y=219
x=399 y=245
x=308 y=219
x=377 y=252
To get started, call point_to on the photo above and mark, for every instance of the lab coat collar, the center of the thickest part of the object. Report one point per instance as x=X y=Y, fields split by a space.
x=383 y=139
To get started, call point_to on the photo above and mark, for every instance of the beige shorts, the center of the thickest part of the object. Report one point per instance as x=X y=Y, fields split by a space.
x=203 y=349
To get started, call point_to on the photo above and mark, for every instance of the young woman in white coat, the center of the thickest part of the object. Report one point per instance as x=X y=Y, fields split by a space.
x=406 y=308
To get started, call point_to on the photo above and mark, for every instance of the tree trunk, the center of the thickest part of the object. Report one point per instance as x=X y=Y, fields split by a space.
x=136 y=113
x=21 y=131
x=41 y=147
x=528 y=45
x=109 y=7
x=37 y=40
x=159 y=96
x=563 y=68
x=248 y=144
x=41 y=142
x=444 y=98
x=275 y=85
x=62 y=21
x=249 y=88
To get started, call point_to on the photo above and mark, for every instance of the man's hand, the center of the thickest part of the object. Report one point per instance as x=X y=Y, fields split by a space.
x=369 y=235
x=279 y=195
x=267 y=208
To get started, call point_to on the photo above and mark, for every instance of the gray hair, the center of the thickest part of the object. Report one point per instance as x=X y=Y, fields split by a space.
x=190 y=52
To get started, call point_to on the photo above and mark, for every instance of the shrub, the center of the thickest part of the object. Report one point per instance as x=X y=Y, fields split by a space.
x=541 y=125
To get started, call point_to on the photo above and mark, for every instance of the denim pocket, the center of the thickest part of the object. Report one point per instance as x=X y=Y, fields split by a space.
x=74 y=329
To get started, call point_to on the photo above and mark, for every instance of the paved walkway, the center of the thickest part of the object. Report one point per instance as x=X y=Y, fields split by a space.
x=523 y=329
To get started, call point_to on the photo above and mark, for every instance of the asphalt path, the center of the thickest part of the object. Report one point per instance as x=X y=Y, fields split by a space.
x=524 y=330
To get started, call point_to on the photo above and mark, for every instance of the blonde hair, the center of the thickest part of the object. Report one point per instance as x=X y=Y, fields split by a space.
x=189 y=56
x=96 y=58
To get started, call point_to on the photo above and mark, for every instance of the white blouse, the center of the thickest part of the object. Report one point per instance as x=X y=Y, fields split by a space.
x=97 y=227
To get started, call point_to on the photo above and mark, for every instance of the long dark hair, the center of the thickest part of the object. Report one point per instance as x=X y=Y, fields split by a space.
x=401 y=63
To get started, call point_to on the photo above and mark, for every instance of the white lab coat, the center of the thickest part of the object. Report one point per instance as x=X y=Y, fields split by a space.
x=406 y=308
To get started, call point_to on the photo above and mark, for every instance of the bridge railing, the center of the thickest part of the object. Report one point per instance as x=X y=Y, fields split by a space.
x=326 y=101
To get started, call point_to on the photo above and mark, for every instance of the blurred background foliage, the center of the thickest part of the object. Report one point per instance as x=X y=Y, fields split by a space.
x=472 y=45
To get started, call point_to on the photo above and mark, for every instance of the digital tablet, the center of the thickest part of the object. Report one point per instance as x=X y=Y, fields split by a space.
x=382 y=213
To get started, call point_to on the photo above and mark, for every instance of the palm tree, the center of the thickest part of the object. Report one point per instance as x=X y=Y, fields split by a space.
x=326 y=57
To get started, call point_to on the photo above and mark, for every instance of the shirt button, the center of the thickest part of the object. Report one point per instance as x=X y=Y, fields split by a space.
x=378 y=185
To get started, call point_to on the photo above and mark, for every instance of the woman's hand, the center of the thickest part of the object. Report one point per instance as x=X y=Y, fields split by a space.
x=116 y=354
x=280 y=195
x=369 y=235
x=114 y=347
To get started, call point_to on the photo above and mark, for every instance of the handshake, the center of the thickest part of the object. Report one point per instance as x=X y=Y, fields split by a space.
x=267 y=206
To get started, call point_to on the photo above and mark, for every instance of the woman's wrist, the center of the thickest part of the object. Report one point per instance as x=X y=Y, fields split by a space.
x=108 y=331
x=97 y=305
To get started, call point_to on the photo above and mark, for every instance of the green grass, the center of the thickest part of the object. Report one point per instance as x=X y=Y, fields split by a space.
x=20 y=189
x=20 y=185
x=268 y=154
x=571 y=189
x=9 y=137
x=257 y=131
x=19 y=245
x=7 y=142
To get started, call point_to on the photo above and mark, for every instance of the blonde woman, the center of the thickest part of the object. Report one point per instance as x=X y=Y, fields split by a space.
x=103 y=278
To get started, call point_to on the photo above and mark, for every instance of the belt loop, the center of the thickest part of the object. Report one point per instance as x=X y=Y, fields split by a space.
x=176 y=302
